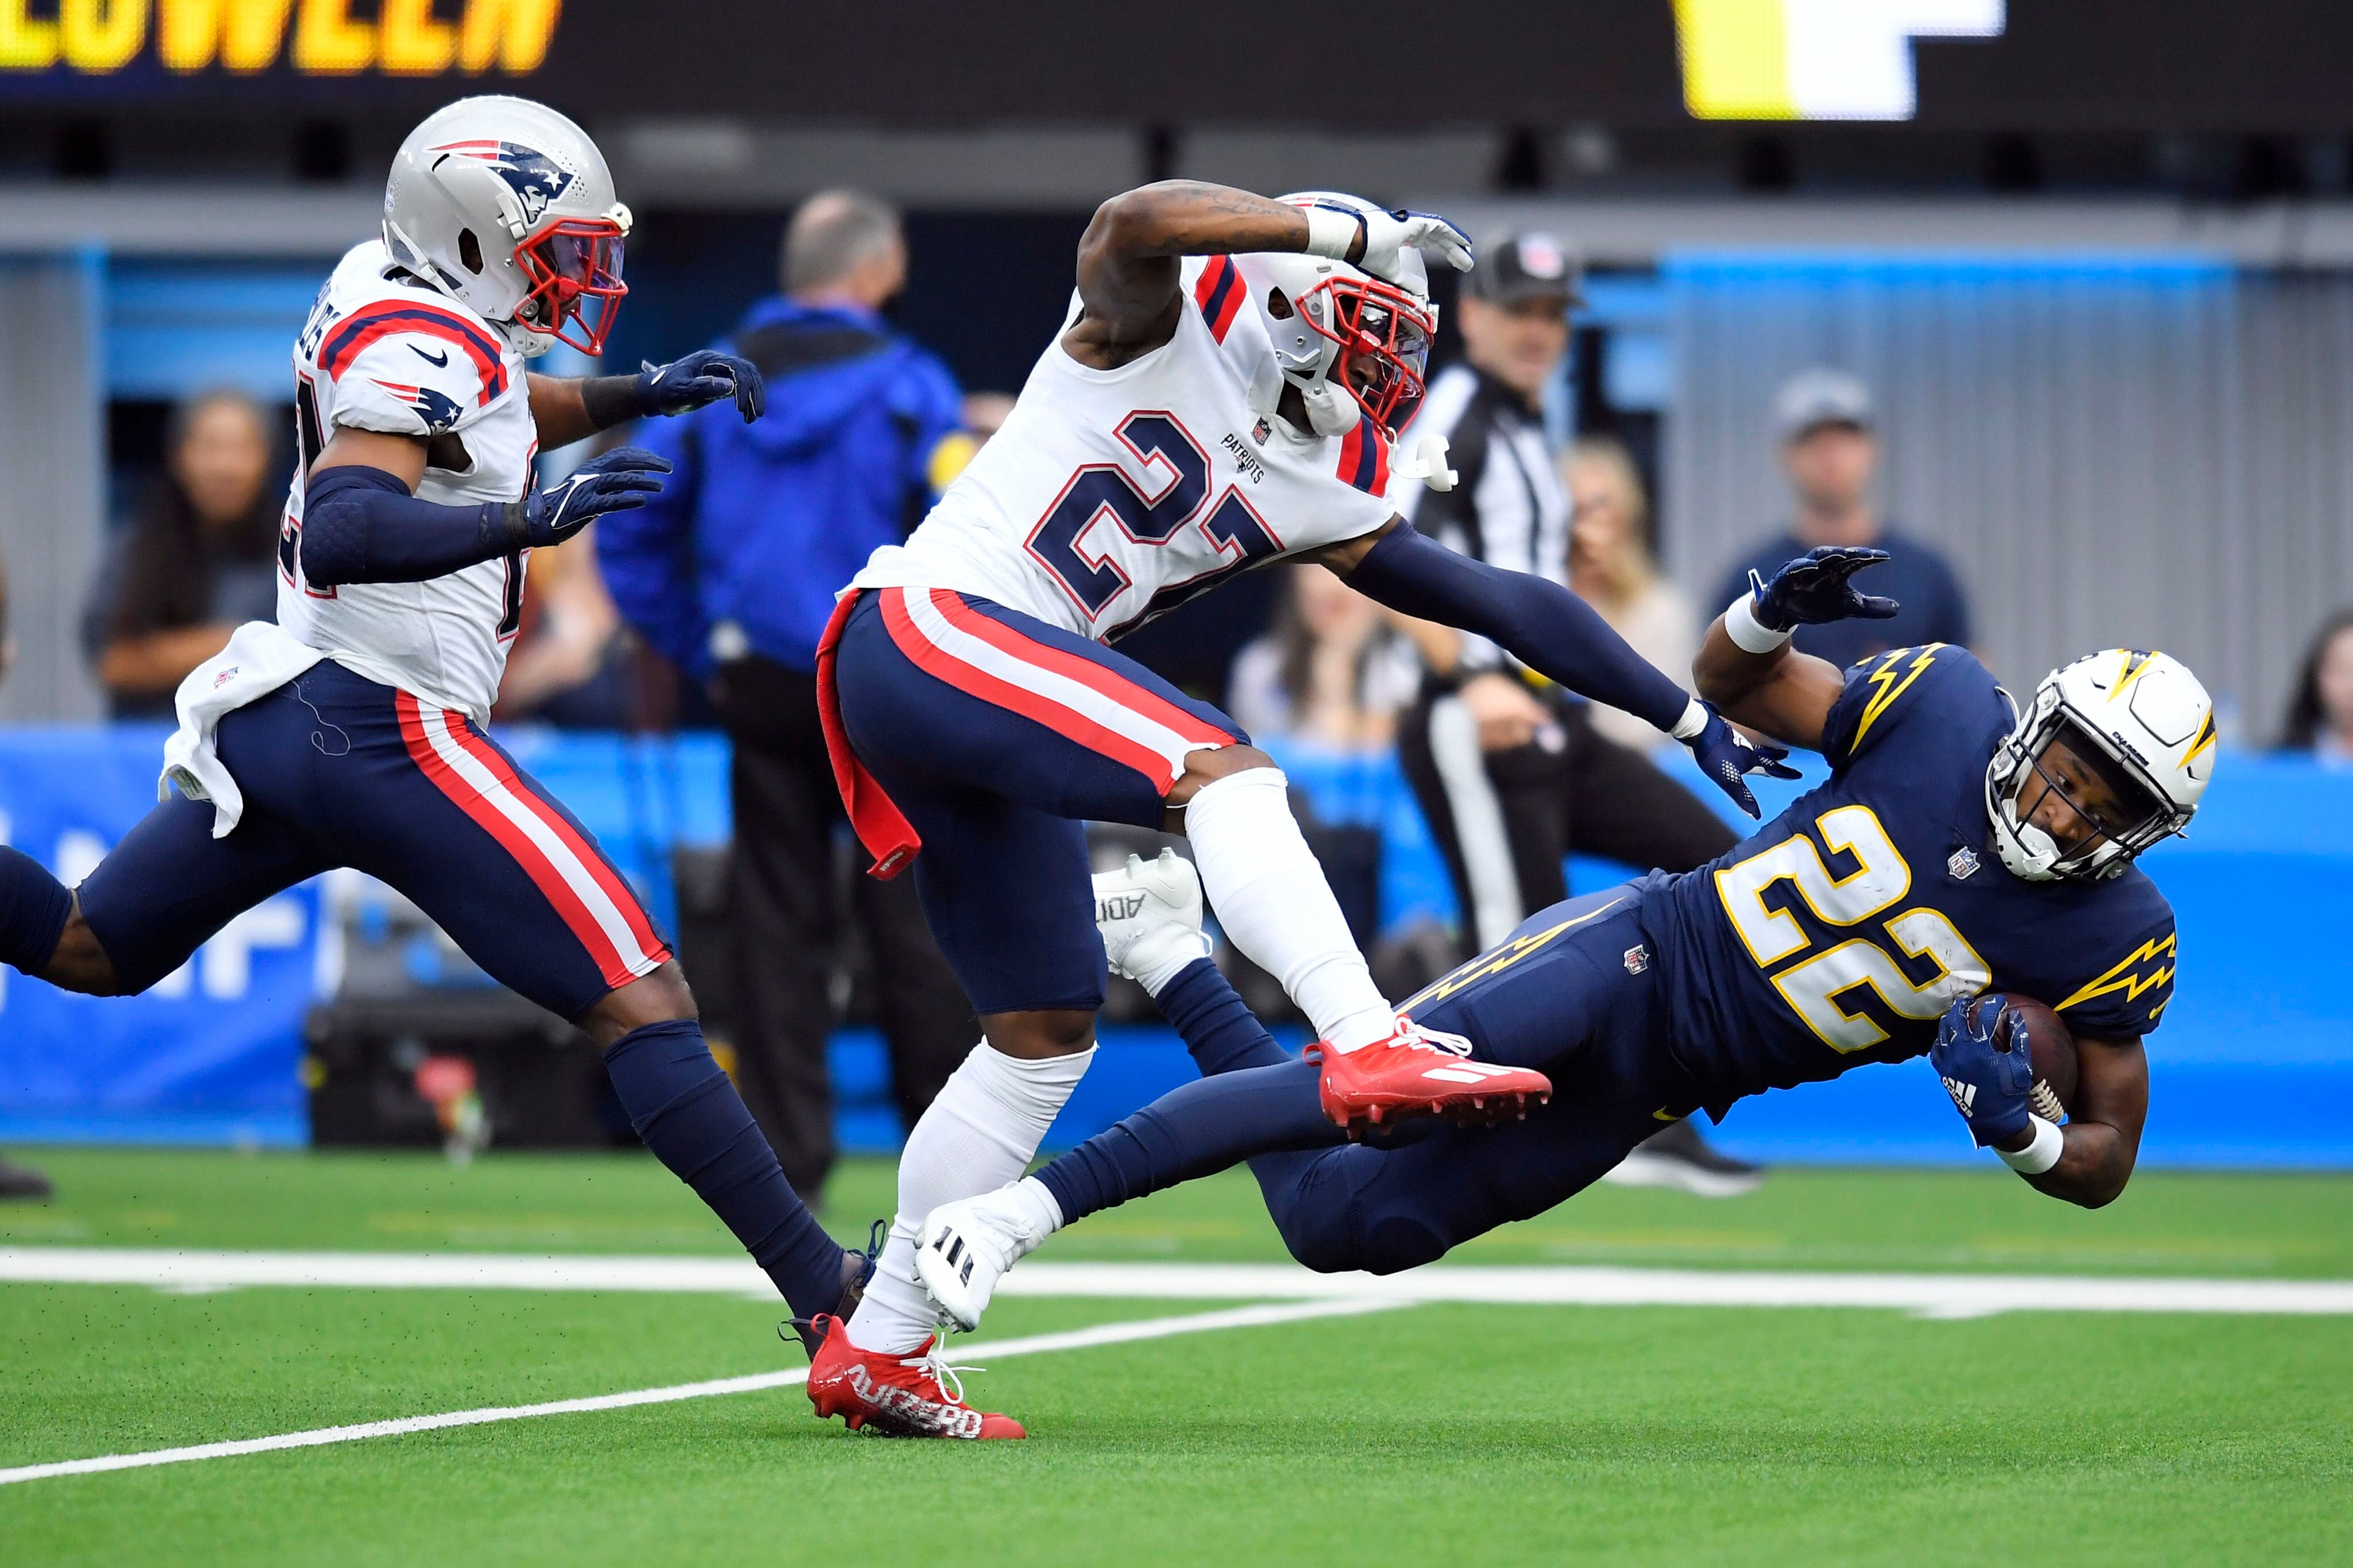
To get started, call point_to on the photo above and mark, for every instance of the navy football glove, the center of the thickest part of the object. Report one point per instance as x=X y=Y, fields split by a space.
x=614 y=481
x=1985 y=1056
x=704 y=376
x=1725 y=754
x=1814 y=589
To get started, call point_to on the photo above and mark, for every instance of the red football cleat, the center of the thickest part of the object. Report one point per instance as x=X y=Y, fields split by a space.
x=1422 y=1072
x=914 y=1395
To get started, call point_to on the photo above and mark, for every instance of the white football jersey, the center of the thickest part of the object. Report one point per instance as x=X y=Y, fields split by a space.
x=1113 y=496
x=378 y=354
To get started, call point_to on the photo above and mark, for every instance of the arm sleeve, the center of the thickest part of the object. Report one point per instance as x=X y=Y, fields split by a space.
x=361 y=525
x=1542 y=624
x=647 y=553
x=2126 y=999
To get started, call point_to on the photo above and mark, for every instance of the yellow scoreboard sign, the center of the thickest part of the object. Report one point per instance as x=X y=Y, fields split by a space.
x=314 y=38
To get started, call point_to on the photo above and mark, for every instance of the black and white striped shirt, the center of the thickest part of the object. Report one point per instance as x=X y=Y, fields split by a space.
x=1508 y=507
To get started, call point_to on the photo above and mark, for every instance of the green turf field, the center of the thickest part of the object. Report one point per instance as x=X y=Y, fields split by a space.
x=1427 y=1433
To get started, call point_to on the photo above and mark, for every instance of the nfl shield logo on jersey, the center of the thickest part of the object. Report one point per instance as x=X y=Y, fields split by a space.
x=1963 y=864
x=1638 y=959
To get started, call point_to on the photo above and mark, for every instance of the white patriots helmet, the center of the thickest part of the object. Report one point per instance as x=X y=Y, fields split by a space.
x=507 y=206
x=2143 y=722
x=1323 y=316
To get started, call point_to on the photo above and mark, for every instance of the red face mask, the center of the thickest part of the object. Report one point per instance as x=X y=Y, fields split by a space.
x=573 y=266
x=1384 y=335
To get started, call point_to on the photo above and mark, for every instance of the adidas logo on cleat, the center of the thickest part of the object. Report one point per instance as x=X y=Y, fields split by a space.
x=1119 y=907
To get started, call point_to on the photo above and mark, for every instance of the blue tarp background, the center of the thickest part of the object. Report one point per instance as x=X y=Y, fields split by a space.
x=2254 y=1065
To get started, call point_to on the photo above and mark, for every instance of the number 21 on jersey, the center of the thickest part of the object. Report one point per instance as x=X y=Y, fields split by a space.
x=1104 y=496
x=1825 y=985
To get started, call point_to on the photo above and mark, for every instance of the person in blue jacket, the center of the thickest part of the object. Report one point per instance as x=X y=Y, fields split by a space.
x=730 y=572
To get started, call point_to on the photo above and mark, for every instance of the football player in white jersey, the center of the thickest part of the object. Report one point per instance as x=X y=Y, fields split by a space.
x=351 y=731
x=1224 y=392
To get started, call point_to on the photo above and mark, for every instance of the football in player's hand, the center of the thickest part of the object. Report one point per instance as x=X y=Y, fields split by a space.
x=2053 y=1044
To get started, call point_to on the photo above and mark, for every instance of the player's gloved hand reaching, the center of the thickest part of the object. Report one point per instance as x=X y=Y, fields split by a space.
x=1725 y=756
x=1986 y=1059
x=703 y=377
x=1377 y=241
x=1814 y=589
x=617 y=481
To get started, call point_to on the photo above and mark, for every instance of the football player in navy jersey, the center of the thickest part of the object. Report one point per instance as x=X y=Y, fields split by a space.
x=1960 y=849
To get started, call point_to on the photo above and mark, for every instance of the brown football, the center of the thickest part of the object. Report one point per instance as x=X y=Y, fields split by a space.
x=2054 y=1056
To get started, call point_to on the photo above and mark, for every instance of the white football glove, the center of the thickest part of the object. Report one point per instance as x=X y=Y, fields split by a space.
x=1332 y=231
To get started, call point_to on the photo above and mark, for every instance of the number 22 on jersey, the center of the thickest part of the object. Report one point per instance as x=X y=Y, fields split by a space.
x=1824 y=985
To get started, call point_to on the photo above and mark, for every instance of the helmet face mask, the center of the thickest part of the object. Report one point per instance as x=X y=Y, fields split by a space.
x=1383 y=334
x=570 y=262
x=2124 y=741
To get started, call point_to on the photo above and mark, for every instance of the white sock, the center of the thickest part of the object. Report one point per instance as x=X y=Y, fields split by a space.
x=1270 y=895
x=1037 y=1201
x=979 y=1134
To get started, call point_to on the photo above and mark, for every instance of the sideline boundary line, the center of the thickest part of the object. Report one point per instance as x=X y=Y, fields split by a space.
x=1035 y=1344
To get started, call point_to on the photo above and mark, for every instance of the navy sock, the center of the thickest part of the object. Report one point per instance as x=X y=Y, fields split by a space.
x=1218 y=1026
x=1192 y=1131
x=34 y=908
x=691 y=1117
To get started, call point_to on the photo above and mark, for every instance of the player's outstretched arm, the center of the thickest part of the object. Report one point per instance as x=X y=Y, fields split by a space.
x=362 y=522
x=1130 y=255
x=572 y=408
x=1552 y=631
x=1128 y=258
x=1745 y=665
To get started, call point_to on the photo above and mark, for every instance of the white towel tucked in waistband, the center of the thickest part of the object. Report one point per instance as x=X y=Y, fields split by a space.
x=261 y=657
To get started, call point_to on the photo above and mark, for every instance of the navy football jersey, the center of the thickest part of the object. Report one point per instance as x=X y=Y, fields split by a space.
x=1840 y=931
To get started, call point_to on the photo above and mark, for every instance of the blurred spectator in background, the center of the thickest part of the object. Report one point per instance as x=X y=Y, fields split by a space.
x=1335 y=672
x=2320 y=718
x=985 y=414
x=1612 y=567
x=202 y=558
x=1509 y=769
x=1830 y=447
x=15 y=1181
x=731 y=573
x=567 y=667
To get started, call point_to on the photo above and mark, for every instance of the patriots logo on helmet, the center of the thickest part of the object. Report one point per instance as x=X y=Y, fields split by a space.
x=439 y=413
x=535 y=178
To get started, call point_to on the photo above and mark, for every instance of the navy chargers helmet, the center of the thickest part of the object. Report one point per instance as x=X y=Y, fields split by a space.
x=2143 y=722
x=507 y=206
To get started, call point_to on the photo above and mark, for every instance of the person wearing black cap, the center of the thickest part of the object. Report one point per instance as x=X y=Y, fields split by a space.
x=1508 y=769
x=1824 y=424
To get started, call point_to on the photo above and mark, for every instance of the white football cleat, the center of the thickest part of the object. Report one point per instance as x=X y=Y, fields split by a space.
x=968 y=1244
x=1149 y=912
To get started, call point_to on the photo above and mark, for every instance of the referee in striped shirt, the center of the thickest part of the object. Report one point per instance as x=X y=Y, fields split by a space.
x=1508 y=768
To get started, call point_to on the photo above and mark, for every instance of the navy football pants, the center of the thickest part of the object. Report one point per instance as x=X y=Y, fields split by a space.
x=999 y=737
x=337 y=770
x=1572 y=1005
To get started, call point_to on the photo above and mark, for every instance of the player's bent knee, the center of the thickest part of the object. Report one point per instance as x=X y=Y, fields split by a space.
x=1035 y=1036
x=80 y=965
x=656 y=998
x=1206 y=767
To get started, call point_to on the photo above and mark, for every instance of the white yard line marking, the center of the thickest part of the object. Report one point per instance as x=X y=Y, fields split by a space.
x=1931 y=1295
x=1035 y=1344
